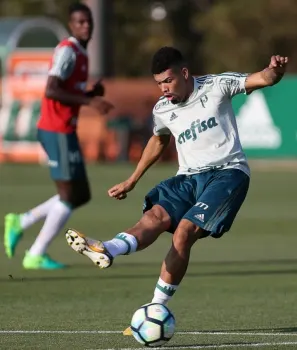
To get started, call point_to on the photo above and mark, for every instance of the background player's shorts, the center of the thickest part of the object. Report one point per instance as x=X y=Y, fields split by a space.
x=64 y=155
x=210 y=199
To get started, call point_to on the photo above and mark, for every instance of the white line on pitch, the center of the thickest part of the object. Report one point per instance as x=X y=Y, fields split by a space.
x=217 y=346
x=58 y=332
x=120 y=332
x=236 y=333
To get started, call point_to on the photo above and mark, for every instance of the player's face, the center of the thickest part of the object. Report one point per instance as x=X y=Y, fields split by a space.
x=81 y=25
x=173 y=84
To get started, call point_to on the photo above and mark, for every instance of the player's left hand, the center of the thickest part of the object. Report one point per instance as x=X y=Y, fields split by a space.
x=278 y=63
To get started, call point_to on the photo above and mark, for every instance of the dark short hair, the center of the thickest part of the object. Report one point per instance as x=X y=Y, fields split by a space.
x=78 y=7
x=166 y=58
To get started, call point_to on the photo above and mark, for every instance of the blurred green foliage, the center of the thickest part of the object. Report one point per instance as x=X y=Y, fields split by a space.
x=214 y=35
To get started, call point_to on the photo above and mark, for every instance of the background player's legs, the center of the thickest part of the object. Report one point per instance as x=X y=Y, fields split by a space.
x=143 y=234
x=15 y=224
x=176 y=262
x=69 y=174
x=72 y=194
x=36 y=214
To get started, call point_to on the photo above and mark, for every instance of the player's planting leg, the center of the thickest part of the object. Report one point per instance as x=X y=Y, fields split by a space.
x=72 y=194
x=36 y=257
x=15 y=224
x=140 y=236
x=176 y=262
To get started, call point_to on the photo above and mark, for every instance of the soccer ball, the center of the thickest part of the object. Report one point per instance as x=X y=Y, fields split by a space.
x=153 y=325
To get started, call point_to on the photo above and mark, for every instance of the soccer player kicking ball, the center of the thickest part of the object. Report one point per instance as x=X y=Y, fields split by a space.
x=64 y=95
x=211 y=184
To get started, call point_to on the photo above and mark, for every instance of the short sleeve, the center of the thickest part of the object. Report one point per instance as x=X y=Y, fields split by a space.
x=231 y=84
x=159 y=127
x=63 y=62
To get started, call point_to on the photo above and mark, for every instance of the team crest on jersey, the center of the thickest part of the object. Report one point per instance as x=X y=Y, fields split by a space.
x=197 y=127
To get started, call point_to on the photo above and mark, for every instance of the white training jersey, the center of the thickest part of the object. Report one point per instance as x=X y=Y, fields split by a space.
x=204 y=127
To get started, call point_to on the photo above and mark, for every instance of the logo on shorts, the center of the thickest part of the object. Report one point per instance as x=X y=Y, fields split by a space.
x=200 y=217
x=74 y=157
x=197 y=127
x=201 y=205
x=52 y=163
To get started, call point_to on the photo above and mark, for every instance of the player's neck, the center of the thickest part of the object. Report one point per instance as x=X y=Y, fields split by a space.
x=82 y=43
x=190 y=88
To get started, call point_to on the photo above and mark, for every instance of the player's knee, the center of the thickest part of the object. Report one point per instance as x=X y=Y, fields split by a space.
x=82 y=197
x=187 y=234
x=157 y=217
x=76 y=195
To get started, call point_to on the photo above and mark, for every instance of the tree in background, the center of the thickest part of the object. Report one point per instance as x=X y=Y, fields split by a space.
x=139 y=31
x=15 y=8
x=215 y=35
x=186 y=35
x=137 y=36
x=241 y=35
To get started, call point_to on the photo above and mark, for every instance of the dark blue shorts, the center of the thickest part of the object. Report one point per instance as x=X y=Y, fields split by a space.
x=211 y=200
x=65 y=158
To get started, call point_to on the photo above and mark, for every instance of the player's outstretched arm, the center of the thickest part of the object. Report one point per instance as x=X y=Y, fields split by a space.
x=269 y=76
x=152 y=152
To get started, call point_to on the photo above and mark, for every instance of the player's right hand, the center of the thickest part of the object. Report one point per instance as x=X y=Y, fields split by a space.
x=101 y=105
x=120 y=191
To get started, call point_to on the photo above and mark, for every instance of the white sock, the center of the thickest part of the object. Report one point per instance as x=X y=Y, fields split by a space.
x=55 y=220
x=40 y=212
x=122 y=244
x=163 y=292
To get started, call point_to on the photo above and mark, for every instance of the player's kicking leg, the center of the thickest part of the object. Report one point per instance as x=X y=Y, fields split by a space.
x=144 y=233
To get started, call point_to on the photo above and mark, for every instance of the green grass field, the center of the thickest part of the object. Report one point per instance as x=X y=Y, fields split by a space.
x=240 y=291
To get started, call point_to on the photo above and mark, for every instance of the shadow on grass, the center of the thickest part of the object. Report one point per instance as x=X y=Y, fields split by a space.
x=139 y=276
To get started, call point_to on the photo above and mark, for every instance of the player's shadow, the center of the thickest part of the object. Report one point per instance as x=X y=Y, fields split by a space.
x=216 y=263
x=238 y=270
x=143 y=276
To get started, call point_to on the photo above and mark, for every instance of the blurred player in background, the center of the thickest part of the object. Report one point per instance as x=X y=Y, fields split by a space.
x=65 y=94
x=203 y=199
